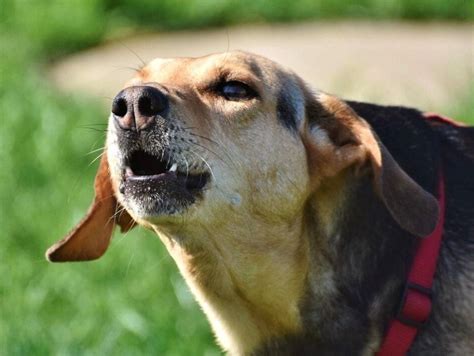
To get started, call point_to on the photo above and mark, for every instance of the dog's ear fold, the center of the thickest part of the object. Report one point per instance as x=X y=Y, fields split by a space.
x=336 y=138
x=91 y=237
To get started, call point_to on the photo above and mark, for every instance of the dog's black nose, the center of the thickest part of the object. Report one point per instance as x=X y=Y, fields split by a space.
x=135 y=107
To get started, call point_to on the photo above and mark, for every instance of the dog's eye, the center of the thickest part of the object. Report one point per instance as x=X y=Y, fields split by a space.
x=235 y=90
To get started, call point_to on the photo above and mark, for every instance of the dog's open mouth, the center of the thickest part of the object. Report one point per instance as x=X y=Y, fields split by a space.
x=157 y=185
x=144 y=166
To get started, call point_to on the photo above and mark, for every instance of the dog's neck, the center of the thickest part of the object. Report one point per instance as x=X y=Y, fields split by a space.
x=249 y=289
x=314 y=281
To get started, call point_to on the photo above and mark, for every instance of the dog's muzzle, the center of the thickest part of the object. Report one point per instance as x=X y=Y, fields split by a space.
x=156 y=178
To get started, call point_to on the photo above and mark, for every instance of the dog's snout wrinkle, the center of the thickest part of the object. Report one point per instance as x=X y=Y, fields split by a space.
x=136 y=107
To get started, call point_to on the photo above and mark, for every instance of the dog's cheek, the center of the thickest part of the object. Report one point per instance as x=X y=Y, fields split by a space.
x=278 y=195
x=278 y=179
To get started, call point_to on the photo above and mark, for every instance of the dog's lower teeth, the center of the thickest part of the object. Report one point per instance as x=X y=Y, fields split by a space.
x=174 y=167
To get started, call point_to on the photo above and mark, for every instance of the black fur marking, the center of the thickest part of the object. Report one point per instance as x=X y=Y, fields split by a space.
x=255 y=68
x=286 y=111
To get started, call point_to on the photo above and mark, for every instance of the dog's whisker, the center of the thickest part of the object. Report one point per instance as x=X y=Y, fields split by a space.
x=93 y=129
x=183 y=220
x=95 y=159
x=117 y=213
x=220 y=145
x=96 y=150
x=226 y=152
x=206 y=163
x=120 y=68
x=187 y=166
x=95 y=124
x=102 y=128
x=204 y=138
x=130 y=225
x=128 y=67
x=128 y=229
x=188 y=128
x=219 y=157
x=143 y=63
x=130 y=260
x=209 y=150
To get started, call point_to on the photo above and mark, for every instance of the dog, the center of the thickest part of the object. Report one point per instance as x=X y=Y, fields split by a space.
x=294 y=216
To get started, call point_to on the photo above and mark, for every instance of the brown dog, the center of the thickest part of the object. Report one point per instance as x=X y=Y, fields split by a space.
x=292 y=216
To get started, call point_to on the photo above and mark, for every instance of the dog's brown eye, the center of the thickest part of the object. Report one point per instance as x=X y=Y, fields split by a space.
x=236 y=91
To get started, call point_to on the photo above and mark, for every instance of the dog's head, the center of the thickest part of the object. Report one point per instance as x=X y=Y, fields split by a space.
x=222 y=141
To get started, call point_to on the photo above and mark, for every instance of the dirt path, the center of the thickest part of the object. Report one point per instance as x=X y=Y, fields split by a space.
x=429 y=65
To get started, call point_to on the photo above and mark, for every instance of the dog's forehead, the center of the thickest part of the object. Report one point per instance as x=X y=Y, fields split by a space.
x=184 y=70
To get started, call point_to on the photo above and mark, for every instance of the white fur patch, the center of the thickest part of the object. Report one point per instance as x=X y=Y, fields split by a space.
x=320 y=135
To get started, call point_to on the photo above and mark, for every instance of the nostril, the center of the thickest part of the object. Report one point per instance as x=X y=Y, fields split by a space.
x=119 y=107
x=146 y=107
x=151 y=102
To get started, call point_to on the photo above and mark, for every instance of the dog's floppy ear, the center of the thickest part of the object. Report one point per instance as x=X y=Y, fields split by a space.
x=336 y=138
x=91 y=237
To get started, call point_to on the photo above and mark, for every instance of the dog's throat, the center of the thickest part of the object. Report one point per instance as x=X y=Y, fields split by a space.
x=244 y=312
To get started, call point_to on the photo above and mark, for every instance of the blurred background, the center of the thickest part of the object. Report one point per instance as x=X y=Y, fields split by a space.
x=61 y=62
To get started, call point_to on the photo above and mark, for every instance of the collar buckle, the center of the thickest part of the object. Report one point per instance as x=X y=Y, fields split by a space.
x=415 y=306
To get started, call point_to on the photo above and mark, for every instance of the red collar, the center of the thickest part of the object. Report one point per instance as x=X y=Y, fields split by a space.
x=415 y=306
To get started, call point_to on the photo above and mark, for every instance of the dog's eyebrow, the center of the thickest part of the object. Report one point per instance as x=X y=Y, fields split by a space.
x=287 y=109
x=255 y=68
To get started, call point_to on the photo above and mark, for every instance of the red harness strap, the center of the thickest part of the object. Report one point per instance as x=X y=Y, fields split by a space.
x=443 y=119
x=416 y=302
x=415 y=307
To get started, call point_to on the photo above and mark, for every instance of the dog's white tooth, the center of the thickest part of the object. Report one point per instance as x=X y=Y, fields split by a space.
x=174 y=167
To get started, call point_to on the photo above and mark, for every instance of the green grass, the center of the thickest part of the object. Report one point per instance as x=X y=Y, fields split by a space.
x=464 y=109
x=132 y=301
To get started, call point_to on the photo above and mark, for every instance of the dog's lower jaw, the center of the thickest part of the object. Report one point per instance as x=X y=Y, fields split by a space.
x=244 y=312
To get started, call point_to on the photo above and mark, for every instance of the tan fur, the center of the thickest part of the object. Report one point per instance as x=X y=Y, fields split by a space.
x=244 y=247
